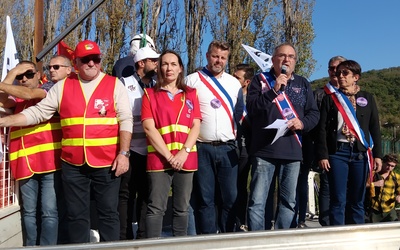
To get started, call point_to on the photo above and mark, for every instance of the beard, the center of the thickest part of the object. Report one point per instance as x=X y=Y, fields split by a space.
x=150 y=74
x=217 y=68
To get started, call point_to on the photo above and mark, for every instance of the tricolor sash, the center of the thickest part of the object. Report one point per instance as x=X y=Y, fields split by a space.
x=348 y=113
x=243 y=115
x=282 y=102
x=229 y=109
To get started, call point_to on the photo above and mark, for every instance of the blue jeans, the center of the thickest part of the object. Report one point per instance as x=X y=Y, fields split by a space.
x=262 y=175
x=347 y=178
x=301 y=196
x=191 y=222
x=215 y=180
x=47 y=185
x=79 y=183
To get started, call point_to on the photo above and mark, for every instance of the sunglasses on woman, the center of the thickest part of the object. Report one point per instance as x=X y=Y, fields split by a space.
x=344 y=72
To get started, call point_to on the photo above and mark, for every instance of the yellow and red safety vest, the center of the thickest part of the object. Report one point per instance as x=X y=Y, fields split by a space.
x=90 y=131
x=174 y=129
x=35 y=149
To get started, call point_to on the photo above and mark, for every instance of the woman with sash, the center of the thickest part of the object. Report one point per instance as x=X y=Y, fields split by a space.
x=171 y=119
x=349 y=143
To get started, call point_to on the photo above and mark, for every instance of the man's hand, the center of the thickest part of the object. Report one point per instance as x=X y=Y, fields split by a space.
x=377 y=164
x=120 y=165
x=295 y=124
x=282 y=79
x=379 y=183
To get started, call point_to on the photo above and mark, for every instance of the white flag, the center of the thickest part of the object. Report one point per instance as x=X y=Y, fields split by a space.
x=9 y=62
x=10 y=51
x=263 y=60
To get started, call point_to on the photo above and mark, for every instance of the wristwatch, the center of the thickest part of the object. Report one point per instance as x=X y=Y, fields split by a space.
x=187 y=149
x=125 y=153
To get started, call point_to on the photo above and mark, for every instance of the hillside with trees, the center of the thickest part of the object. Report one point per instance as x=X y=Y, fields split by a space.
x=384 y=84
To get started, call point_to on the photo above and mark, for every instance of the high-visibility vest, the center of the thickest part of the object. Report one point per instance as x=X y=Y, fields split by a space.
x=90 y=130
x=174 y=128
x=35 y=149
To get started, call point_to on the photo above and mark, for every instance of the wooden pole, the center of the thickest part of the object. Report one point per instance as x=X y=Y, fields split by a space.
x=38 y=37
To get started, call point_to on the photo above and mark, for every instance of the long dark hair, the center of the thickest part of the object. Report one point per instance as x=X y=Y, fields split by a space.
x=180 y=81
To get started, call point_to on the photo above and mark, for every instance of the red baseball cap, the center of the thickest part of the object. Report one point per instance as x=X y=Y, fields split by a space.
x=86 y=48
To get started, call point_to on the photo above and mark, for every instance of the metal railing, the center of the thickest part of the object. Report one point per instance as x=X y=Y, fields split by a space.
x=368 y=236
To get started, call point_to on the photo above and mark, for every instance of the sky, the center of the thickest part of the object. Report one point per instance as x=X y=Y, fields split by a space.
x=367 y=31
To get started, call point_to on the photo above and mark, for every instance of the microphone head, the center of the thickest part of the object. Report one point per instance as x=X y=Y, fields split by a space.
x=284 y=69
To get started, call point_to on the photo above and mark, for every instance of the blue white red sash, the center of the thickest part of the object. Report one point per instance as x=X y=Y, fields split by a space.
x=348 y=113
x=244 y=115
x=228 y=110
x=282 y=101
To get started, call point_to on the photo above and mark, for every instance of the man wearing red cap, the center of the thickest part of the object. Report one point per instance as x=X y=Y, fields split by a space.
x=96 y=122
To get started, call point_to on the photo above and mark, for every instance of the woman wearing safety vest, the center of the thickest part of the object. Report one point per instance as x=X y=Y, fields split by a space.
x=171 y=119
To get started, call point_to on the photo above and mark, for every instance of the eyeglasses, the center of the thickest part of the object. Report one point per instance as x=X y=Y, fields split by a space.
x=28 y=75
x=87 y=59
x=332 y=68
x=55 y=66
x=344 y=72
x=284 y=56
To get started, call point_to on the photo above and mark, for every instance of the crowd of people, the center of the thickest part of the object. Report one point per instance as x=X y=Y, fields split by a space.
x=131 y=141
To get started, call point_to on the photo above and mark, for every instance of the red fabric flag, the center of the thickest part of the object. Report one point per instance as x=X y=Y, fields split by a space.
x=63 y=49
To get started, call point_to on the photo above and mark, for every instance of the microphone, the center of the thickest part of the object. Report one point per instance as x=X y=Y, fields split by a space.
x=283 y=71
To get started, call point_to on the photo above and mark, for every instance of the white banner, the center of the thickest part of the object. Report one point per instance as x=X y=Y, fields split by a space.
x=9 y=62
x=10 y=51
x=263 y=60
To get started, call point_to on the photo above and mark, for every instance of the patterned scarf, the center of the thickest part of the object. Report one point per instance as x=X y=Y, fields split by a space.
x=351 y=94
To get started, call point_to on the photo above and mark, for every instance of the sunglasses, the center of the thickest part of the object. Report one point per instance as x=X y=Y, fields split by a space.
x=87 y=59
x=55 y=66
x=332 y=68
x=344 y=72
x=28 y=75
x=154 y=60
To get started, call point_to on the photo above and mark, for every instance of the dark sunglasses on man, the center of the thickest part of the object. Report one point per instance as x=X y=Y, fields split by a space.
x=55 y=66
x=95 y=58
x=28 y=75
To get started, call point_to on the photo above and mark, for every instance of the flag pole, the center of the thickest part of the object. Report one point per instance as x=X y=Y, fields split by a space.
x=38 y=37
x=72 y=26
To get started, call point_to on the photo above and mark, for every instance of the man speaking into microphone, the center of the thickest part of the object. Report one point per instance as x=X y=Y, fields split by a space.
x=278 y=94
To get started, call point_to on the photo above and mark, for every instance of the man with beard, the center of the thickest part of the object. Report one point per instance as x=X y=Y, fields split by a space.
x=135 y=180
x=221 y=107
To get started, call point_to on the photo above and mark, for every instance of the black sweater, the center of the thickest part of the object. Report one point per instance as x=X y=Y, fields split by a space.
x=263 y=112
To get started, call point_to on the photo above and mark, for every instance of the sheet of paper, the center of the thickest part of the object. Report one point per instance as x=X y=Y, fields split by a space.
x=281 y=126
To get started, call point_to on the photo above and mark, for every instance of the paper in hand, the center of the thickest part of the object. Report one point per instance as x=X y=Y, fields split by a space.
x=281 y=126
